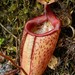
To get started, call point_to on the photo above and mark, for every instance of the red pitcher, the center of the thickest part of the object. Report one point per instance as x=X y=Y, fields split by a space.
x=38 y=42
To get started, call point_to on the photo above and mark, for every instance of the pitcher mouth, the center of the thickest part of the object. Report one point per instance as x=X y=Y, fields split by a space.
x=49 y=16
x=39 y=20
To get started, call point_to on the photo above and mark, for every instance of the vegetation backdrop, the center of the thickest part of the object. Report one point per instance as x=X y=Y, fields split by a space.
x=13 y=16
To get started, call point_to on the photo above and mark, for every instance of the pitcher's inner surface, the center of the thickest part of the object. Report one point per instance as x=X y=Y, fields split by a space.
x=42 y=28
x=46 y=1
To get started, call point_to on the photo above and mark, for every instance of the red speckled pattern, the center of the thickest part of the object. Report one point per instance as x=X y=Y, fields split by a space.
x=43 y=50
x=37 y=53
x=36 y=50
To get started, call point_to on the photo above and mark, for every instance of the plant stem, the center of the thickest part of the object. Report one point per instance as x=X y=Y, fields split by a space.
x=9 y=32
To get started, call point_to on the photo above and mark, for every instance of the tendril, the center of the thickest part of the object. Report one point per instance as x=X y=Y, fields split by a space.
x=8 y=58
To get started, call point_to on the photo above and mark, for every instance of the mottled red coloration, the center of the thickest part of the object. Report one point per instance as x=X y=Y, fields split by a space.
x=37 y=49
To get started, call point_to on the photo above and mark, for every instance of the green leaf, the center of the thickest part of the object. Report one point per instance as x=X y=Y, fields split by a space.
x=1 y=41
x=12 y=7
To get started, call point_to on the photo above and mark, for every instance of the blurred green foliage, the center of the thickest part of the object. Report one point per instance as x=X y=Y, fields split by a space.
x=1 y=41
x=13 y=15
